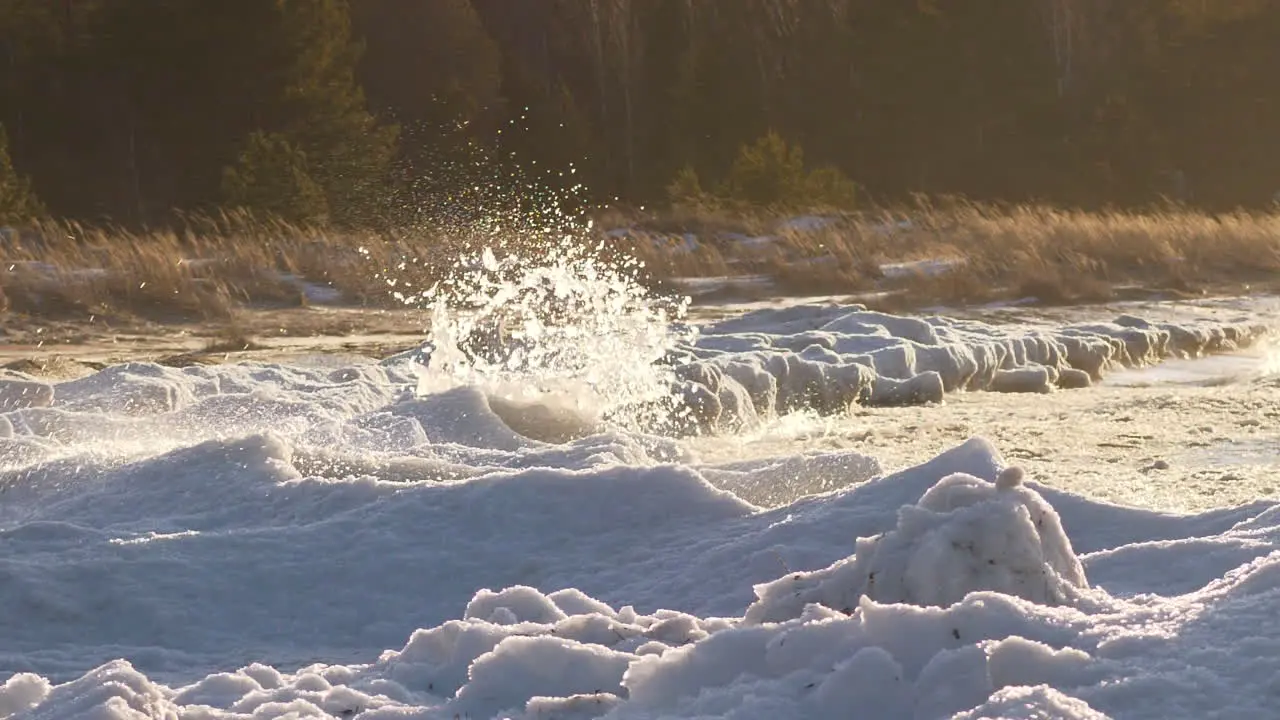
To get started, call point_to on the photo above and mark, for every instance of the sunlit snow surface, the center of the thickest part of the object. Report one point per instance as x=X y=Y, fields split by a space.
x=375 y=542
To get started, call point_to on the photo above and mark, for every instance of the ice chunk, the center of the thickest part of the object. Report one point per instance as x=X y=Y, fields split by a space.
x=519 y=669
x=523 y=604
x=22 y=691
x=1032 y=703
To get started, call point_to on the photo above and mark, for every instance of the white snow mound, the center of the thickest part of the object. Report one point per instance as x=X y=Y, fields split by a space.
x=965 y=535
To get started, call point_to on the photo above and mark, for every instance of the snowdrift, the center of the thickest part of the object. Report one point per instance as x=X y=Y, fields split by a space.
x=984 y=610
x=250 y=541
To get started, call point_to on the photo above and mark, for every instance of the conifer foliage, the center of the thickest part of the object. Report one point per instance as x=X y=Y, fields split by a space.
x=339 y=111
x=17 y=202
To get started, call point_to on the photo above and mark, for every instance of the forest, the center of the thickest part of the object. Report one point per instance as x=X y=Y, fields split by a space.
x=367 y=113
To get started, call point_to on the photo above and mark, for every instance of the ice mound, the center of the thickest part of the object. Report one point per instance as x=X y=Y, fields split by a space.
x=575 y=653
x=964 y=535
x=825 y=358
x=771 y=482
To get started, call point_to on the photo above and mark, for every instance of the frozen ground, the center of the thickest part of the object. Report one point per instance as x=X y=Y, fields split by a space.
x=384 y=540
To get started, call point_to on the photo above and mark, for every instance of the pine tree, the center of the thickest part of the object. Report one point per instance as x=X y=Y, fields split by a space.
x=17 y=201
x=449 y=109
x=43 y=96
x=272 y=178
x=349 y=153
x=184 y=84
x=768 y=171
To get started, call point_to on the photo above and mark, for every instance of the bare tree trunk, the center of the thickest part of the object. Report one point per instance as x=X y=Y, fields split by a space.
x=16 y=136
x=623 y=25
x=1083 y=37
x=597 y=41
x=630 y=123
x=598 y=29
x=135 y=174
x=1061 y=33
x=771 y=22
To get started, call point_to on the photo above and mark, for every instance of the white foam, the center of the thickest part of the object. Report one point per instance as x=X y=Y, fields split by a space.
x=567 y=325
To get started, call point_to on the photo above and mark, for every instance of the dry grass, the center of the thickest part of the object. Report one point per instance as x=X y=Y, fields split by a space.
x=1055 y=256
x=211 y=268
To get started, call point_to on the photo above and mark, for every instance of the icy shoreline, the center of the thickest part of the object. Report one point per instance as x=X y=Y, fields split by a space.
x=828 y=358
x=225 y=528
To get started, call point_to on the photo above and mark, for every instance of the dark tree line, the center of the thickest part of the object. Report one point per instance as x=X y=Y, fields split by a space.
x=353 y=111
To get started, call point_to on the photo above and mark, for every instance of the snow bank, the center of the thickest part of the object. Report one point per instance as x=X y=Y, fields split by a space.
x=826 y=358
x=931 y=267
x=555 y=580
x=681 y=244
x=313 y=293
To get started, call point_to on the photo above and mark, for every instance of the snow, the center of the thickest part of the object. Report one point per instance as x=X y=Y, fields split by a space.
x=315 y=293
x=378 y=541
x=677 y=244
x=747 y=252
x=751 y=243
x=20 y=392
x=703 y=287
x=963 y=536
x=806 y=224
x=929 y=267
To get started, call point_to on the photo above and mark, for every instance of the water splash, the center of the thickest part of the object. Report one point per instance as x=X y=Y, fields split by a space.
x=570 y=326
x=527 y=301
x=1270 y=365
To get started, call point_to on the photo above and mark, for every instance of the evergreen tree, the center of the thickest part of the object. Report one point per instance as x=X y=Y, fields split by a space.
x=43 y=92
x=349 y=152
x=769 y=171
x=451 y=109
x=272 y=178
x=549 y=89
x=17 y=201
x=184 y=83
x=128 y=109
